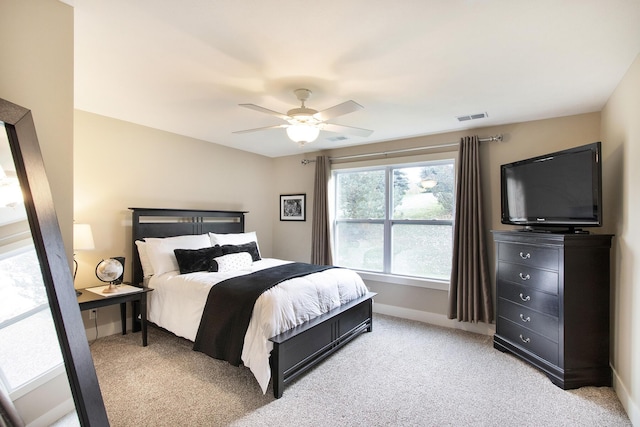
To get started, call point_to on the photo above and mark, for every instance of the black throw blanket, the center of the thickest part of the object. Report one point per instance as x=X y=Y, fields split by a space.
x=229 y=305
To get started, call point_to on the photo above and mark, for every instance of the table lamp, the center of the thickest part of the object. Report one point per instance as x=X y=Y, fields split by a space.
x=82 y=241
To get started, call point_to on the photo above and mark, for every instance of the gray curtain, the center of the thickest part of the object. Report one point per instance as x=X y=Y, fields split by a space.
x=320 y=236
x=470 y=289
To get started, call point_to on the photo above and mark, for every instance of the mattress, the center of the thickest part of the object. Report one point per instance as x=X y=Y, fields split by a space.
x=178 y=301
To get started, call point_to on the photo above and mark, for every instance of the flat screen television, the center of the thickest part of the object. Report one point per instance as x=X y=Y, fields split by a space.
x=559 y=191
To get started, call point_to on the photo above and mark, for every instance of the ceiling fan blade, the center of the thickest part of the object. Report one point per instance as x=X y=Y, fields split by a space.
x=265 y=110
x=262 y=128
x=348 y=130
x=338 y=110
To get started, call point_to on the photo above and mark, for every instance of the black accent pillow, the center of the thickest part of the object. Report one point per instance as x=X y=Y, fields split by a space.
x=251 y=247
x=192 y=260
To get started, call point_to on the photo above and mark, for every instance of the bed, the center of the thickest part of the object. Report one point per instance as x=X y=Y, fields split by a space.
x=278 y=353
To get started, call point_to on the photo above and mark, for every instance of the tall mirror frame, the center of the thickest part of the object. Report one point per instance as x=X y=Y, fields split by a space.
x=54 y=265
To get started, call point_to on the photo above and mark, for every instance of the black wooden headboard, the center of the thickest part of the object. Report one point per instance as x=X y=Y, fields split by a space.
x=153 y=222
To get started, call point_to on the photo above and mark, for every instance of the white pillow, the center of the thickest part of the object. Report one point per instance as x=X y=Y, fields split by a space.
x=160 y=250
x=234 y=239
x=234 y=262
x=147 y=268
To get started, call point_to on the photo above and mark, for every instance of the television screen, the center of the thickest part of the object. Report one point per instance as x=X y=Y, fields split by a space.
x=561 y=189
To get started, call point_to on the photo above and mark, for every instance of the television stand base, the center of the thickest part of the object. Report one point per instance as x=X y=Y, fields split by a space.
x=552 y=230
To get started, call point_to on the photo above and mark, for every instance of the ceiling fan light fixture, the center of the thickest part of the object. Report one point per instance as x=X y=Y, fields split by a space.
x=302 y=114
x=302 y=133
x=305 y=123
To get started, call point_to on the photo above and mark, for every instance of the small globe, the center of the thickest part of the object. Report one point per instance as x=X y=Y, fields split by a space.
x=108 y=270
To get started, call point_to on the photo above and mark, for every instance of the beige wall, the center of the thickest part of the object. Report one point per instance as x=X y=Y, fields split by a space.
x=521 y=140
x=621 y=142
x=292 y=239
x=36 y=72
x=120 y=165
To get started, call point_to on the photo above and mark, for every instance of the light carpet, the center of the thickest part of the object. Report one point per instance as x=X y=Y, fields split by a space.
x=404 y=373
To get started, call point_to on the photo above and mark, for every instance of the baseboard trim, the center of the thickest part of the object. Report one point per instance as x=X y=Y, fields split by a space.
x=433 y=318
x=54 y=414
x=633 y=411
x=106 y=329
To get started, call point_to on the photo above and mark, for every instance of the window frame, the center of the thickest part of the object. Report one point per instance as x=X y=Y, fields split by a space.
x=386 y=276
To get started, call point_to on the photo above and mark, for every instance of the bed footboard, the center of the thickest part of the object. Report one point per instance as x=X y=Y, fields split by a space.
x=299 y=349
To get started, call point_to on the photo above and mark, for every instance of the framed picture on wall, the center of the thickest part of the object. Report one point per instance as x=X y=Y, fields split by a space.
x=293 y=207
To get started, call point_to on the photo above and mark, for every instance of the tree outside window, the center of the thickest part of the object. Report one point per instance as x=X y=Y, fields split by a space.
x=396 y=219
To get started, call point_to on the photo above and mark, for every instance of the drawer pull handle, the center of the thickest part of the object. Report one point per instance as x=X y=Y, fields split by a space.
x=525 y=277
x=523 y=298
x=525 y=340
x=525 y=256
x=525 y=319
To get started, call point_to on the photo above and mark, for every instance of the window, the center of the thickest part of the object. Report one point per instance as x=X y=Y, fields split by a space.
x=27 y=333
x=395 y=219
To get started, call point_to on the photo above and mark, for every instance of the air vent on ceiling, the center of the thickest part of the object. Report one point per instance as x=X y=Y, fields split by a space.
x=337 y=138
x=472 y=117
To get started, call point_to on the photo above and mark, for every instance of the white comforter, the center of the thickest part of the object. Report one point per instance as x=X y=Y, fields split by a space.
x=178 y=301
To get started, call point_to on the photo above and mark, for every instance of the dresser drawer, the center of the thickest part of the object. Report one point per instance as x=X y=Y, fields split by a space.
x=534 y=256
x=528 y=340
x=529 y=297
x=536 y=321
x=543 y=280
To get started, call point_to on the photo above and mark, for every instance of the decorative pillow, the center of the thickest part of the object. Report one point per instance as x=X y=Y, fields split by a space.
x=192 y=260
x=234 y=239
x=147 y=268
x=160 y=250
x=251 y=248
x=234 y=262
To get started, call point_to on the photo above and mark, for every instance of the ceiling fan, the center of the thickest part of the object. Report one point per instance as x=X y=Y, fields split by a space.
x=304 y=124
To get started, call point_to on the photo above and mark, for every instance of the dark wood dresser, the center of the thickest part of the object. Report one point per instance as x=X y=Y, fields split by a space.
x=553 y=304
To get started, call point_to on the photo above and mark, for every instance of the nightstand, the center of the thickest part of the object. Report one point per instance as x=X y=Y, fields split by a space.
x=138 y=297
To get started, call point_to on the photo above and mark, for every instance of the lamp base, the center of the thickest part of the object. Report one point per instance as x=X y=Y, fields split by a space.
x=110 y=289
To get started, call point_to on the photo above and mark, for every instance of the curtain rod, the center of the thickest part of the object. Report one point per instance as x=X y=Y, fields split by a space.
x=406 y=150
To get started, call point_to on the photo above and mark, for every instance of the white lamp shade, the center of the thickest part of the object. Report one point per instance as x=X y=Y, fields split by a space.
x=303 y=133
x=82 y=237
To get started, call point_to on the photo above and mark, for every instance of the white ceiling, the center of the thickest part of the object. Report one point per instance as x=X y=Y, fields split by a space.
x=184 y=66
